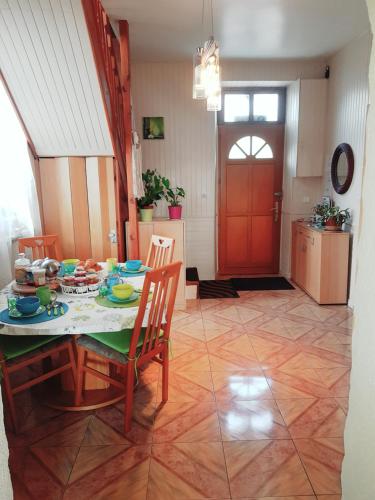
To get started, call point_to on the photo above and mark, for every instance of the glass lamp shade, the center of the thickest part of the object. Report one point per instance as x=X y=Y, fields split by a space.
x=214 y=101
x=199 y=91
x=211 y=75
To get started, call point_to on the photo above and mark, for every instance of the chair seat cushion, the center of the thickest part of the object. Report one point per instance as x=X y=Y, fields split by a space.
x=112 y=345
x=15 y=346
x=119 y=341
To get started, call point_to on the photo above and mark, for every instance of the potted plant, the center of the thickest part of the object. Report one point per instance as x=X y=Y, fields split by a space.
x=154 y=191
x=173 y=197
x=332 y=216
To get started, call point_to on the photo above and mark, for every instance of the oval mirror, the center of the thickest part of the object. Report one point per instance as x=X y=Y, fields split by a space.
x=342 y=168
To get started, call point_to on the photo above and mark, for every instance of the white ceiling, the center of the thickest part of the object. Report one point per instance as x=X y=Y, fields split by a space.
x=47 y=62
x=165 y=30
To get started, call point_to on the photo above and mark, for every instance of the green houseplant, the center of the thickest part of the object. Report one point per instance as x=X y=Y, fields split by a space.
x=154 y=191
x=331 y=216
x=173 y=196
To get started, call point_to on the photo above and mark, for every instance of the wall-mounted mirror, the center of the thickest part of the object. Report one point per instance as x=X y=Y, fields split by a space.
x=342 y=168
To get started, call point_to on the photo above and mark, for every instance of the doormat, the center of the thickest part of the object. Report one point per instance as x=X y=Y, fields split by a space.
x=217 y=289
x=246 y=284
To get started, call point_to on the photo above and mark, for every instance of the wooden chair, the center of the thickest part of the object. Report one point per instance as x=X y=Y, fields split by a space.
x=128 y=350
x=160 y=252
x=18 y=352
x=42 y=246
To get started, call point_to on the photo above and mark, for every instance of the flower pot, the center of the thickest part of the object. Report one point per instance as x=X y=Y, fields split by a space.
x=175 y=212
x=146 y=214
x=332 y=225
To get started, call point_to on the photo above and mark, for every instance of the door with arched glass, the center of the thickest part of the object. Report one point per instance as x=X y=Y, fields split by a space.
x=250 y=180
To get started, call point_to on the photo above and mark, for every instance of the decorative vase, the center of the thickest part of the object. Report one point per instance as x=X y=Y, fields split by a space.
x=175 y=212
x=332 y=225
x=146 y=214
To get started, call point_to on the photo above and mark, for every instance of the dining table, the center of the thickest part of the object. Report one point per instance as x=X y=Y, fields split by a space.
x=83 y=316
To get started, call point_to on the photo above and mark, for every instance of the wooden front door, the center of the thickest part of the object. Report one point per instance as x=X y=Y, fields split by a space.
x=251 y=165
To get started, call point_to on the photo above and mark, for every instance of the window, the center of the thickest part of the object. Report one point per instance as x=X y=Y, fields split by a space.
x=18 y=200
x=266 y=105
x=250 y=146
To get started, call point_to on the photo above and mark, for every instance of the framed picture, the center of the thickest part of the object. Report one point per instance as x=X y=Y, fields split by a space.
x=153 y=127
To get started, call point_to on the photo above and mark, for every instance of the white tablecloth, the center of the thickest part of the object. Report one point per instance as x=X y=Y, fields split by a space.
x=84 y=316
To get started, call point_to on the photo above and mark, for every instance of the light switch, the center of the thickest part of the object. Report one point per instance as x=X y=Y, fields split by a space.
x=306 y=199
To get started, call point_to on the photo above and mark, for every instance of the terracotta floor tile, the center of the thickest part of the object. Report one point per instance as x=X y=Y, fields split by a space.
x=344 y=404
x=214 y=329
x=186 y=423
x=238 y=314
x=113 y=417
x=182 y=341
x=297 y=384
x=188 y=386
x=322 y=458
x=187 y=470
x=241 y=385
x=189 y=360
x=33 y=478
x=258 y=392
x=337 y=380
x=284 y=327
x=249 y=420
x=106 y=472
x=193 y=328
x=265 y=468
x=313 y=417
x=312 y=312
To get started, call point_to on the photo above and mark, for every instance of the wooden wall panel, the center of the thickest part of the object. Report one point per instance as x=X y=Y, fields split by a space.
x=109 y=165
x=57 y=206
x=79 y=204
x=80 y=209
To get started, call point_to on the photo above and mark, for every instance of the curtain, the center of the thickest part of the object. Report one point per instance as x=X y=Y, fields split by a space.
x=19 y=212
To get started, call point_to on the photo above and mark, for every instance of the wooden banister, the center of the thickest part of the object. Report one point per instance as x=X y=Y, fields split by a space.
x=113 y=68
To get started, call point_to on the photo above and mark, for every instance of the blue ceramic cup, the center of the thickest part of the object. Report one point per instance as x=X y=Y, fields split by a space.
x=28 y=305
x=133 y=265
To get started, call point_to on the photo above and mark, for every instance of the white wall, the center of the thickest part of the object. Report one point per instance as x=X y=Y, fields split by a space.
x=359 y=462
x=188 y=153
x=346 y=122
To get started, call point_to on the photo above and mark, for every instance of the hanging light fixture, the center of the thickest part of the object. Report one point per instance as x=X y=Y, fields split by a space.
x=206 y=76
x=199 y=92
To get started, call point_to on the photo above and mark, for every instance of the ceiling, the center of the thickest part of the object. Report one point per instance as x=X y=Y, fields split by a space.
x=47 y=62
x=165 y=30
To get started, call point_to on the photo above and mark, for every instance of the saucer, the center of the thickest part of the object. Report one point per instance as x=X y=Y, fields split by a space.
x=18 y=314
x=133 y=297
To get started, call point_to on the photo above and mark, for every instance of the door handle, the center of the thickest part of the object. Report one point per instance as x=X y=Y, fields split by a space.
x=275 y=211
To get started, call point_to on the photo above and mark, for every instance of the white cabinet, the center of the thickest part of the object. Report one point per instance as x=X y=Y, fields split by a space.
x=306 y=126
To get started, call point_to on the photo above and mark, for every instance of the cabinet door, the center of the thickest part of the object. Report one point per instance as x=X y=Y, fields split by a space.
x=313 y=264
x=311 y=134
x=300 y=259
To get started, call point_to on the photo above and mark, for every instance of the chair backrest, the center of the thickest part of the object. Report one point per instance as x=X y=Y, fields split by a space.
x=159 y=315
x=160 y=252
x=42 y=246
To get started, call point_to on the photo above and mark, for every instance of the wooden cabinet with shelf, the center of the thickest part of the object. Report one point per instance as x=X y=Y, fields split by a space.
x=169 y=229
x=320 y=261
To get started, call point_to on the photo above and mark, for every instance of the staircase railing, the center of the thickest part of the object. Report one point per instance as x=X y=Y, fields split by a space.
x=112 y=63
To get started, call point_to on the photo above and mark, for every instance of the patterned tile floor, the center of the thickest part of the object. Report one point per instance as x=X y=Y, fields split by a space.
x=258 y=397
